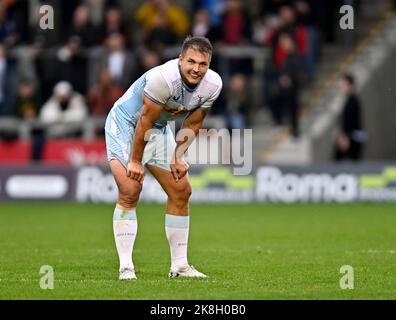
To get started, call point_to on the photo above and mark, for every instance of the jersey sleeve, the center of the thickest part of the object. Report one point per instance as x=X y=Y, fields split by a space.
x=209 y=102
x=156 y=88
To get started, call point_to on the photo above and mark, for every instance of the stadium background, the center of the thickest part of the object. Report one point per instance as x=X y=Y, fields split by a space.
x=286 y=229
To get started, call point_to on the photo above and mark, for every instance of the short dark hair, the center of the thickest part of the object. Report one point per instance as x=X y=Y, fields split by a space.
x=349 y=78
x=201 y=44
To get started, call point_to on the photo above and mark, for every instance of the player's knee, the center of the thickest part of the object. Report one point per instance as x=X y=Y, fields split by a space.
x=187 y=192
x=128 y=200
x=129 y=195
x=182 y=194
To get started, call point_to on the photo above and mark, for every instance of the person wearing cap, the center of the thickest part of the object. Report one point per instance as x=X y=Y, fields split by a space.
x=65 y=111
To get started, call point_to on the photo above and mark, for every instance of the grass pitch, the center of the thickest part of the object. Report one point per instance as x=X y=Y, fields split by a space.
x=248 y=251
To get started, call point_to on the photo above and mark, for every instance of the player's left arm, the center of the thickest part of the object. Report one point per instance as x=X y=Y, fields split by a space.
x=195 y=119
x=190 y=129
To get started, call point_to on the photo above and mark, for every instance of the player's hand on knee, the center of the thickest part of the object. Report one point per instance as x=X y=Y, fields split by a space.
x=135 y=171
x=179 y=169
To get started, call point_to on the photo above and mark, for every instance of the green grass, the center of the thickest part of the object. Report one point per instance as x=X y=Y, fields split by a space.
x=248 y=251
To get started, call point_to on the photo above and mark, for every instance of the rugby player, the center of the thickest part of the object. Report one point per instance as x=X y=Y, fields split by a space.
x=138 y=136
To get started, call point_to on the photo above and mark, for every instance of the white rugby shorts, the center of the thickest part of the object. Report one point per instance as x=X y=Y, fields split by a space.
x=119 y=134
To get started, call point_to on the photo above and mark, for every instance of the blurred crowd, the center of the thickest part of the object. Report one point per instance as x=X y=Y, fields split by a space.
x=97 y=48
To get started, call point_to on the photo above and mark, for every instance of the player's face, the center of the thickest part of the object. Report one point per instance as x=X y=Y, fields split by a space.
x=193 y=66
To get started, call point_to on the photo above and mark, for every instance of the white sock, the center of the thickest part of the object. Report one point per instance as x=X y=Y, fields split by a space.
x=125 y=229
x=176 y=228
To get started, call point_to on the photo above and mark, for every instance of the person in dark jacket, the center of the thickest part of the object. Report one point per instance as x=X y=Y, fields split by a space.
x=288 y=70
x=350 y=137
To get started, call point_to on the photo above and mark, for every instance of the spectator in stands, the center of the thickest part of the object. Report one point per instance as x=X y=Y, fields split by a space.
x=201 y=24
x=287 y=19
x=236 y=25
x=298 y=32
x=119 y=61
x=7 y=81
x=27 y=103
x=3 y=80
x=236 y=30
x=272 y=7
x=83 y=28
x=306 y=33
x=350 y=136
x=64 y=112
x=175 y=16
x=148 y=59
x=288 y=70
x=264 y=30
x=68 y=8
x=9 y=35
x=160 y=35
x=280 y=17
x=237 y=102
x=69 y=64
x=296 y=26
x=97 y=10
x=103 y=94
x=113 y=23
x=215 y=9
x=27 y=107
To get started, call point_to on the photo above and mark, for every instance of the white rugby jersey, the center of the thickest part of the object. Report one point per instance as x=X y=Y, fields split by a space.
x=163 y=84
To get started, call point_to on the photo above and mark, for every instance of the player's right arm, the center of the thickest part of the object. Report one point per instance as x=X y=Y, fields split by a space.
x=150 y=113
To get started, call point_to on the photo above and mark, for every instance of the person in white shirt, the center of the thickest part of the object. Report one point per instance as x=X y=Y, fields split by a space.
x=63 y=114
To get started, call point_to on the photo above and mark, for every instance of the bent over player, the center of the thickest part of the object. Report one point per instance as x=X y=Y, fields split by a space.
x=137 y=135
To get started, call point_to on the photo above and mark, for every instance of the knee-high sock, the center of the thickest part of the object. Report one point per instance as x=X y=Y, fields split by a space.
x=176 y=228
x=125 y=229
